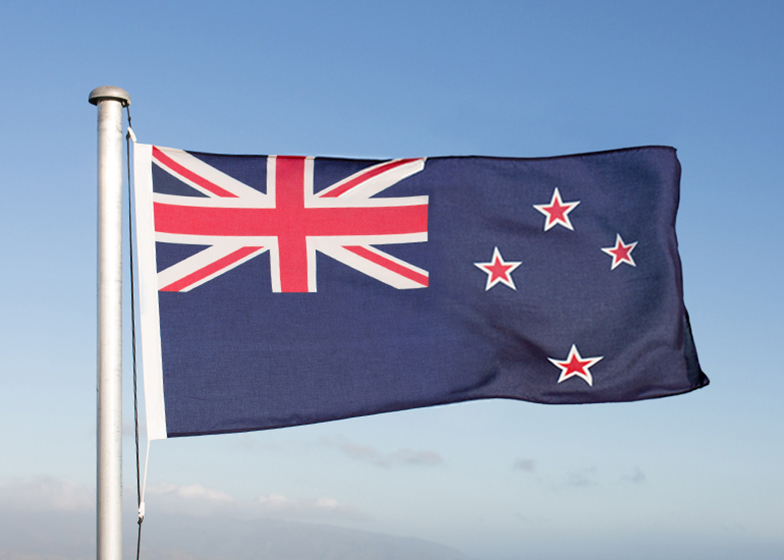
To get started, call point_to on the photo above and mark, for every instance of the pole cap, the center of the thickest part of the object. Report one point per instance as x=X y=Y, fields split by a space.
x=109 y=92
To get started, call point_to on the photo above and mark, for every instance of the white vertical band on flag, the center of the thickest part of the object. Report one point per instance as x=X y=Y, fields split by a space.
x=152 y=367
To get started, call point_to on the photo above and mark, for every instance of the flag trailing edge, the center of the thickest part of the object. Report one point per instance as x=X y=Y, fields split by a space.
x=279 y=290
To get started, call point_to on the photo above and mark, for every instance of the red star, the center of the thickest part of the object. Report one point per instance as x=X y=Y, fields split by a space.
x=557 y=211
x=621 y=253
x=575 y=365
x=498 y=270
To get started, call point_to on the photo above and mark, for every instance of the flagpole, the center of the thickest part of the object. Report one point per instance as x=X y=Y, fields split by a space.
x=110 y=101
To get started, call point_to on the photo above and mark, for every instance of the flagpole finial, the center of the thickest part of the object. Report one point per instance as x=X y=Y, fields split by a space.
x=109 y=92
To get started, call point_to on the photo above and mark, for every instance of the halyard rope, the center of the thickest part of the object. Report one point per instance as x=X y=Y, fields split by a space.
x=130 y=136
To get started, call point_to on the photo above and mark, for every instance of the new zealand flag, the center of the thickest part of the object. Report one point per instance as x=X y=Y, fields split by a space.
x=283 y=290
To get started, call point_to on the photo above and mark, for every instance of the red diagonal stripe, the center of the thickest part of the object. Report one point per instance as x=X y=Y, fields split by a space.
x=211 y=268
x=365 y=176
x=388 y=264
x=190 y=175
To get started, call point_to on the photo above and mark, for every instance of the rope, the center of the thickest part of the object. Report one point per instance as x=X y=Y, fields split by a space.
x=130 y=136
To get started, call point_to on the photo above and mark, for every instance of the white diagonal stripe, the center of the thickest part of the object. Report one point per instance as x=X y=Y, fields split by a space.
x=374 y=185
x=201 y=260
x=197 y=166
x=374 y=270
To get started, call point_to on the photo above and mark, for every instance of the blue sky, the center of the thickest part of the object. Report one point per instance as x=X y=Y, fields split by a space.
x=688 y=477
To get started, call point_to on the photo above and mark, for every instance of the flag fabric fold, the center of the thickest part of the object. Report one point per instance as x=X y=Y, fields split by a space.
x=284 y=290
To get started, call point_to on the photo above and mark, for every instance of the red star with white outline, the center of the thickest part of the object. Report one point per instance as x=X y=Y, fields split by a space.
x=576 y=366
x=621 y=253
x=498 y=270
x=557 y=211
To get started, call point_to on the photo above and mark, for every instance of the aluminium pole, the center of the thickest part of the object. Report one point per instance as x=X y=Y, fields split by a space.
x=110 y=102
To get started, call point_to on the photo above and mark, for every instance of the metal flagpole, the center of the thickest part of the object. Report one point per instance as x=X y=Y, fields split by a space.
x=110 y=102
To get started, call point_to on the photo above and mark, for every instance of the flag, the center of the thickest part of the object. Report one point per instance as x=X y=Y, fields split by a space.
x=284 y=290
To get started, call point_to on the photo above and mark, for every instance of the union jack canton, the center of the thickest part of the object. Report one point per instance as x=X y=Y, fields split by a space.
x=238 y=222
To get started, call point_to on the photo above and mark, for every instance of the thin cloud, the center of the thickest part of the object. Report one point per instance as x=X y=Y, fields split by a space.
x=637 y=477
x=527 y=465
x=374 y=456
x=11 y=555
x=278 y=503
x=191 y=492
x=583 y=477
x=59 y=524
x=199 y=500
x=45 y=494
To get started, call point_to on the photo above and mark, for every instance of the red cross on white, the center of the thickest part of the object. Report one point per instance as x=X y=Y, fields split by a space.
x=621 y=252
x=498 y=270
x=557 y=211
x=237 y=222
x=576 y=366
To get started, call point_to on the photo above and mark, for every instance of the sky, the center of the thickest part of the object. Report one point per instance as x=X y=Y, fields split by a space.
x=687 y=477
